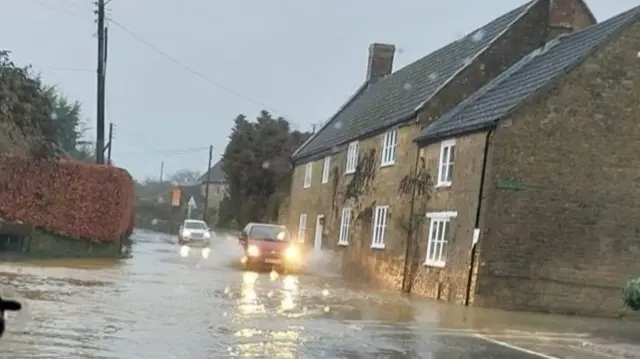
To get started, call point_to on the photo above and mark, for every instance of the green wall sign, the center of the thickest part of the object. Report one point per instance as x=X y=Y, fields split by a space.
x=514 y=185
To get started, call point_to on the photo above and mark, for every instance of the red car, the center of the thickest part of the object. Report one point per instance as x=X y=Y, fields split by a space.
x=269 y=245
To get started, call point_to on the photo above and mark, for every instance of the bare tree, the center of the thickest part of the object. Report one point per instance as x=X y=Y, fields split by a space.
x=185 y=177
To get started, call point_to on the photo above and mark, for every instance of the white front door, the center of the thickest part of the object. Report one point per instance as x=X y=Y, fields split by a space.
x=317 y=244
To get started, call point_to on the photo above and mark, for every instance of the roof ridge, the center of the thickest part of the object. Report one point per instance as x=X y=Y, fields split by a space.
x=505 y=75
x=482 y=108
x=362 y=88
x=526 y=8
x=216 y=167
x=387 y=103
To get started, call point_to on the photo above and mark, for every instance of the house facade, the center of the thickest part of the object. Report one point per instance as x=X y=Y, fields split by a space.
x=217 y=183
x=542 y=185
x=355 y=181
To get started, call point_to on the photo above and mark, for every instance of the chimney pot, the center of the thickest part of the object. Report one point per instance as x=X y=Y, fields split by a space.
x=380 y=61
x=567 y=16
x=561 y=13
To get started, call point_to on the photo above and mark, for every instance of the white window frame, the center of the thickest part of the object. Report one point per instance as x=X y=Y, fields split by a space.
x=389 y=147
x=345 y=222
x=445 y=165
x=308 y=175
x=326 y=168
x=302 y=227
x=381 y=215
x=438 y=242
x=352 y=158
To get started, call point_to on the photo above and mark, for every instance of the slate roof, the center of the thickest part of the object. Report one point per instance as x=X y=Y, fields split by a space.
x=502 y=96
x=389 y=101
x=215 y=174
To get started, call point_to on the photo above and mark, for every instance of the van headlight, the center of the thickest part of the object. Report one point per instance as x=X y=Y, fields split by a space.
x=253 y=251
x=207 y=235
x=292 y=254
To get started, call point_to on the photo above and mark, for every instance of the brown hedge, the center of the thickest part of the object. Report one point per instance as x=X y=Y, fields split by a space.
x=79 y=200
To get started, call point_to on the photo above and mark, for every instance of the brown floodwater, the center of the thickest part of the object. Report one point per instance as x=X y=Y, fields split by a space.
x=168 y=302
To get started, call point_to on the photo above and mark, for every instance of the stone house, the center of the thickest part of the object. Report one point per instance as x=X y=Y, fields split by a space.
x=537 y=174
x=353 y=179
x=217 y=183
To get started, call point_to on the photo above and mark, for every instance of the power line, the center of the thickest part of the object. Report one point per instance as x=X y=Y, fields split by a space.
x=167 y=153
x=58 y=8
x=191 y=70
x=168 y=57
x=69 y=69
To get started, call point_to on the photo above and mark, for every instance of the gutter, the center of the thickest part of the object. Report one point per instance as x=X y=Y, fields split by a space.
x=341 y=146
x=476 y=226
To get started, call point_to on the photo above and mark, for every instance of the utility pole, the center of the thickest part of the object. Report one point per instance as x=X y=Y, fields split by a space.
x=161 y=170
x=101 y=83
x=206 y=188
x=108 y=145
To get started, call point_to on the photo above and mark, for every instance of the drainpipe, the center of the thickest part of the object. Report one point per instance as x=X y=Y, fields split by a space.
x=476 y=227
x=410 y=229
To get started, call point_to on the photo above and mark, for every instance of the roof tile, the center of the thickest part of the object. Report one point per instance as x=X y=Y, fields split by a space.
x=501 y=96
x=388 y=101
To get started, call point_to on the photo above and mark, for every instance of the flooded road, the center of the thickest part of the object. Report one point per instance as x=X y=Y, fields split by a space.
x=167 y=303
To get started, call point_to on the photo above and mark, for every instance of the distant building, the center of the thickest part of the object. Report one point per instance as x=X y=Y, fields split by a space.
x=186 y=193
x=217 y=183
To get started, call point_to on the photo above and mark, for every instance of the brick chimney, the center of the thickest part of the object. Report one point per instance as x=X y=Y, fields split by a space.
x=568 y=15
x=380 y=61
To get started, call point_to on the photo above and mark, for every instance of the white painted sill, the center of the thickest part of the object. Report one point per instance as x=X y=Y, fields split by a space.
x=377 y=246
x=443 y=184
x=387 y=164
x=435 y=264
x=306 y=186
x=325 y=182
x=349 y=172
x=343 y=244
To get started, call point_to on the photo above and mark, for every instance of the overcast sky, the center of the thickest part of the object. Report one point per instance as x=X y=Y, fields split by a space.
x=298 y=58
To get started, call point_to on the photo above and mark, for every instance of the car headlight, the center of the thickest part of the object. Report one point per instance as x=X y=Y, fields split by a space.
x=207 y=235
x=186 y=233
x=292 y=254
x=253 y=251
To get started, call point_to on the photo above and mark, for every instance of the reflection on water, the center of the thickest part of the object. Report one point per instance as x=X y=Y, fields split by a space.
x=160 y=304
x=279 y=343
x=184 y=251
x=249 y=303
x=289 y=293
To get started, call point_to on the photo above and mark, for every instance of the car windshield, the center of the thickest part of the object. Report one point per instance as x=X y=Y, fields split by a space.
x=276 y=233
x=195 y=225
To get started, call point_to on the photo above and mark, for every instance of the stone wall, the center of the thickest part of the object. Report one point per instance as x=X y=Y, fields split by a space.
x=565 y=239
